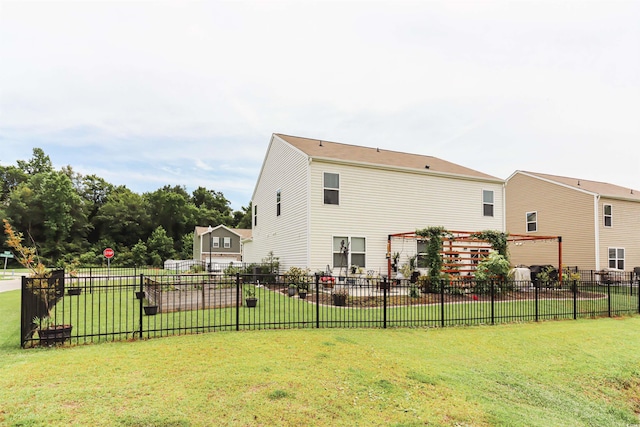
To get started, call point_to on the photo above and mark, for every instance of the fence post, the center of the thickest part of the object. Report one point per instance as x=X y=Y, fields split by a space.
x=238 y=300
x=574 y=285
x=536 y=287
x=23 y=333
x=493 y=300
x=442 y=302
x=384 y=299
x=141 y=303
x=609 y=298
x=317 y=301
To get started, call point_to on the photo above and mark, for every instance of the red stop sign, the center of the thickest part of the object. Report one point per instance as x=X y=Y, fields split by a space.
x=108 y=253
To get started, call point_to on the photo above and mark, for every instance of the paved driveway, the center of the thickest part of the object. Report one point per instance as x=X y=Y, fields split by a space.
x=11 y=284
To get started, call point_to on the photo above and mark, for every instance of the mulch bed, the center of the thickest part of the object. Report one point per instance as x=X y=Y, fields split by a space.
x=373 y=301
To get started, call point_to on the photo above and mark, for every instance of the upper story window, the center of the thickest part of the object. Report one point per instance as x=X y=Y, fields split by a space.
x=616 y=258
x=278 y=196
x=215 y=242
x=532 y=222
x=608 y=216
x=487 y=202
x=227 y=242
x=255 y=215
x=331 y=188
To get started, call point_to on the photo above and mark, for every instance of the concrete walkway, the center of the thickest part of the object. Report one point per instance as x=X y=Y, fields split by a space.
x=11 y=284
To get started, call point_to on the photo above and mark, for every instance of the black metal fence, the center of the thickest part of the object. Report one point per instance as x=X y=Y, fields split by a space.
x=84 y=309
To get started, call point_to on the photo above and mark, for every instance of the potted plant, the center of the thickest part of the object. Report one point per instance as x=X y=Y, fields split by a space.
x=340 y=296
x=73 y=276
x=295 y=276
x=327 y=281
x=150 y=310
x=395 y=259
x=303 y=288
x=73 y=291
x=291 y=291
x=46 y=289
x=250 y=296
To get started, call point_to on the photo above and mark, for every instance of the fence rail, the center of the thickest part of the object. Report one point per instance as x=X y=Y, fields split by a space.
x=87 y=308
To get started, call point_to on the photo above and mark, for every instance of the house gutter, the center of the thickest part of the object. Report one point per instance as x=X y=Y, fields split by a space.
x=408 y=170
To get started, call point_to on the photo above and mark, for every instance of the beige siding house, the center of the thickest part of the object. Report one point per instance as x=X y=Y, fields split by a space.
x=219 y=244
x=599 y=222
x=312 y=195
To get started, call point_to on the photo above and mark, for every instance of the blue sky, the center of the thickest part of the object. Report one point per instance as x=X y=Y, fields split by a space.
x=148 y=93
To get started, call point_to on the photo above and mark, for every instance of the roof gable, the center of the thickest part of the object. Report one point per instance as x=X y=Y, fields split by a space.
x=240 y=232
x=318 y=149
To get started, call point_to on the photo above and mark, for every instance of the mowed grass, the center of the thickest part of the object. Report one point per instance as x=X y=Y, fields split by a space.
x=565 y=373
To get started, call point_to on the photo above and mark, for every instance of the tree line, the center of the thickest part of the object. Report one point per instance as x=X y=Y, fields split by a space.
x=72 y=218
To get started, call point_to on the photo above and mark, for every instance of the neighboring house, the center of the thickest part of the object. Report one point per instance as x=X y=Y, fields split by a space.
x=220 y=244
x=599 y=223
x=312 y=195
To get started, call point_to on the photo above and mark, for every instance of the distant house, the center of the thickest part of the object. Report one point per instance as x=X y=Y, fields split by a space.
x=219 y=244
x=313 y=197
x=599 y=222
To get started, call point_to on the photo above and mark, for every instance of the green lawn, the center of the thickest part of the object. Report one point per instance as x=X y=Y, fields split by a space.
x=567 y=373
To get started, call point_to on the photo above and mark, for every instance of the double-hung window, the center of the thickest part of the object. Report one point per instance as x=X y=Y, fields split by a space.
x=278 y=197
x=349 y=251
x=215 y=242
x=227 y=242
x=616 y=258
x=255 y=215
x=608 y=215
x=331 y=183
x=532 y=222
x=487 y=202
x=421 y=254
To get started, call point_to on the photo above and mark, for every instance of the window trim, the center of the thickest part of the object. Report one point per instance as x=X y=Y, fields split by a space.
x=349 y=260
x=535 y=222
x=605 y=216
x=215 y=242
x=325 y=188
x=492 y=204
x=616 y=259
x=227 y=242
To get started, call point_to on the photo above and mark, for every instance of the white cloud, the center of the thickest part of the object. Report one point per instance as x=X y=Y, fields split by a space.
x=197 y=88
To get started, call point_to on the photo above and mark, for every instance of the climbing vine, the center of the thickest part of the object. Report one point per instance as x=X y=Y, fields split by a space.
x=497 y=239
x=434 y=236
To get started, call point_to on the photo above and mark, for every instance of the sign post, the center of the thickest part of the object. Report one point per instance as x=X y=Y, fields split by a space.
x=6 y=255
x=108 y=254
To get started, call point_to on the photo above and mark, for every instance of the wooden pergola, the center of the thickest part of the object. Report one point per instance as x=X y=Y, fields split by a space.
x=462 y=250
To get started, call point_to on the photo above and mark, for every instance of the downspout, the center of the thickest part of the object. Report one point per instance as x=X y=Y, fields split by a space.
x=389 y=257
x=596 y=210
x=560 y=260
x=309 y=213
x=504 y=207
